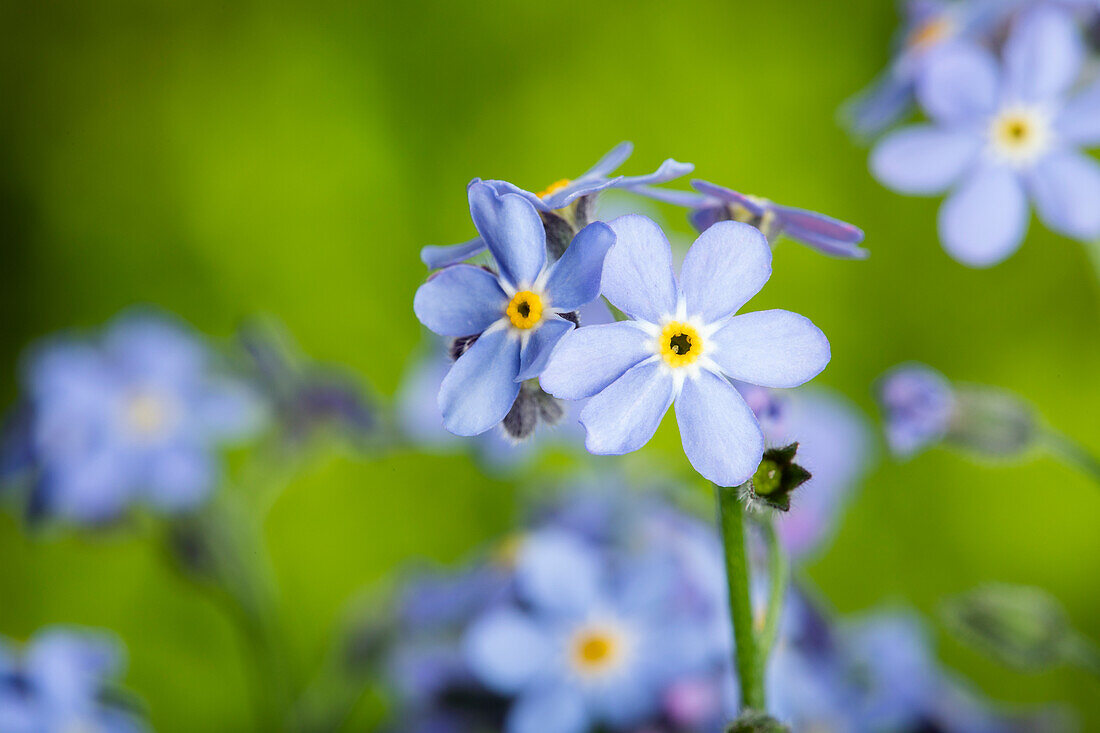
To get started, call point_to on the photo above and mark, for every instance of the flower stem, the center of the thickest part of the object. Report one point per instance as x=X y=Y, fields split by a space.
x=1072 y=453
x=779 y=570
x=748 y=654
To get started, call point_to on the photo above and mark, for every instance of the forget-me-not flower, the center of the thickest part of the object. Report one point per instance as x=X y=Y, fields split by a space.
x=918 y=404
x=681 y=345
x=713 y=204
x=559 y=195
x=516 y=314
x=135 y=417
x=1001 y=135
x=55 y=683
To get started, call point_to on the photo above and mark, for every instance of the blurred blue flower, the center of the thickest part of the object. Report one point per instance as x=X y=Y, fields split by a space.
x=917 y=404
x=559 y=195
x=61 y=681
x=1001 y=135
x=930 y=26
x=713 y=204
x=516 y=315
x=681 y=344
x=136 y=416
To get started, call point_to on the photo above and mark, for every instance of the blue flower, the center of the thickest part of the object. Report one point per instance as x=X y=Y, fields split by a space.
x=560 y=195
x=56 y=683
x=930 y=27
x=918 y=404
x=580 y=651
x=680 y=345
x=715 y=203
x=135 y=417
x=516 y=315
x=1002 y=135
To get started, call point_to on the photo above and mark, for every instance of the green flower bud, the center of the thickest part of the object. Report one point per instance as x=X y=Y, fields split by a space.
x=992 y=423
x=776 y=477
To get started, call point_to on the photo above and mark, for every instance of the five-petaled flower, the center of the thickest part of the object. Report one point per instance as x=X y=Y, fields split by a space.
x=713 y=204
x=681 y=345
x=561 y=194
x=516 y=315
x=1003 y=134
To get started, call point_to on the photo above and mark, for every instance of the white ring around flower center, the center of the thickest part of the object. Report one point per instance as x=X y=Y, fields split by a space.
x=1020 y=134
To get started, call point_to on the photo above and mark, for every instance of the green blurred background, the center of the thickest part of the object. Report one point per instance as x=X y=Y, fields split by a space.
x=222 y=160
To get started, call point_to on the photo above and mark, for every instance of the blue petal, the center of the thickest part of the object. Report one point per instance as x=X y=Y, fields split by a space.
x=557 y=709
x=580 y=187
x=687 y=199
x=506 y=650
x=668 y=170
x=959 y=84
x=575 y=278
x=1066 y=189
x=923 y=159
x=824 y=233
x=179 y=477
x=610 y=161
x=70 y=667
x=726 y=266
x=728 y=195
x=151 y=346
x=557 y=573
x=436 y=256
x=1043 y=54
x=985 y=219
x=773 y=348
x=720 y=435
x=623 y=417
x=884 y=102
x=1079 y=122
x=94 y=489
x=229 y=410
x=460 y=300
x=592 y=357
x=480 y=388
x=637 y=274
x=540 y=345
x=513 y=232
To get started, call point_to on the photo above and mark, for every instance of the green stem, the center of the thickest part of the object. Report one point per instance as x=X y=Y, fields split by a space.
x=779 y=571
x=1072 y=453
x=748 y=657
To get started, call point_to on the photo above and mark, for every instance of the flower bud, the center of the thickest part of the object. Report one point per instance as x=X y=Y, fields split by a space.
x=991 y=422
x=776 y=477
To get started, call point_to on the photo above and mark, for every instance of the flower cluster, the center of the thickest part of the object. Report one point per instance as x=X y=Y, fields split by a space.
x=1007 y=124
x=134 y=416
x=63 y=680
x=608 y=613
x=680 y=343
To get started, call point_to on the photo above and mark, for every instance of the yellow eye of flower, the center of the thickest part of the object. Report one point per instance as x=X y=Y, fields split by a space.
x=679 y=344
x=553 y=187
x=525 y=310
x=1020 y=134
x=594 y=650
x=931 y=33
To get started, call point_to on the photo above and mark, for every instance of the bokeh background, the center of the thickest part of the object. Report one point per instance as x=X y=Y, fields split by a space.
x=290 y=159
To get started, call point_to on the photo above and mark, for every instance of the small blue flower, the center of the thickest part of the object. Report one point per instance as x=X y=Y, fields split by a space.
x=1001 y=135
x=715 y=203
x=930 y=27
x=917 y=404
x=136 y=417
x=579 y=651
x=680 y=347
x=516 y=315
x=56 y=683
x=559 y=195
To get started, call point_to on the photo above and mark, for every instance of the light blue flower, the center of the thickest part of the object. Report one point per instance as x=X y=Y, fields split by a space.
x=1001 y=135
x=517 y=315
x=56 y=682
x=134 y=417
x=581 y=650
x=917 y=404
x=713 y=204
x=930 y=26
x=560 y=195
x=681 y=345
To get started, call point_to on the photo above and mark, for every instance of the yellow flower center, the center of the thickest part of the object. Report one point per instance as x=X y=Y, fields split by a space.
x=553 y=187
x=147 y=413
x=930 y=33
x=525 y=310
x=1020 y=134
x=679 y=344
x=594 y=650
